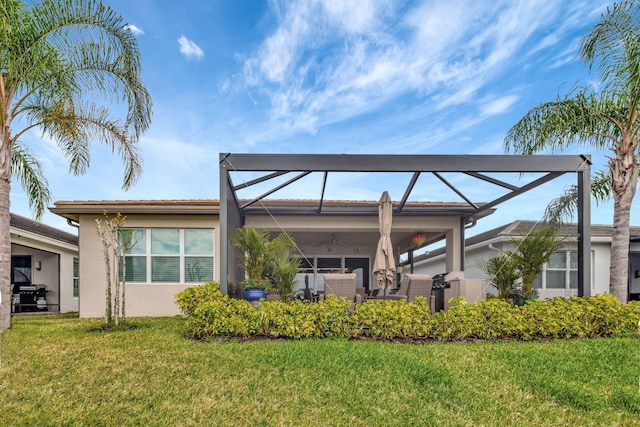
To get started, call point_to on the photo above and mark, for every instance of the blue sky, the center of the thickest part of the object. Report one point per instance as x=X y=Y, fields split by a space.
x=336 y=76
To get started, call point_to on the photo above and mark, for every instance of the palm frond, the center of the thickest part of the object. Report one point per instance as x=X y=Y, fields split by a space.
x=28 y=170
x=562 y=209
x=59 y=54
x=613 y=45
x=591 y=119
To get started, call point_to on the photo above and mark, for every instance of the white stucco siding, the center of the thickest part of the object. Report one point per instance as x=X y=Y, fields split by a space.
x=436 y=265
x=600 y=264
x=142 y=299
x=600 y=253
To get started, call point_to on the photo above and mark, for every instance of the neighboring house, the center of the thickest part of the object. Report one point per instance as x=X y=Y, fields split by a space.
x=559 y=275
x=44 y=265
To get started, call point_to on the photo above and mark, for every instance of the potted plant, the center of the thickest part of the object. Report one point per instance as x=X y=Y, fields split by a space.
x=270 y=266
x=254 y=290
x=520 y=297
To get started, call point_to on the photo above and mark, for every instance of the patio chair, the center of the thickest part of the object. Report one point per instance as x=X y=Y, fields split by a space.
x=415 y=285
x=341 y=285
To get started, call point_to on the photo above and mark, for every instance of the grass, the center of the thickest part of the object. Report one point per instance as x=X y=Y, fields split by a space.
x=55 y=372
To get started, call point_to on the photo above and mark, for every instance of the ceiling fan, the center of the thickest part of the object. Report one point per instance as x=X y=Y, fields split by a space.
x=331 y=243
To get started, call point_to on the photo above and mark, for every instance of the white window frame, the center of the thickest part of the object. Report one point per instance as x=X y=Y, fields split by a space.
x=181 y=254
x=76 y=277
x=567 y=270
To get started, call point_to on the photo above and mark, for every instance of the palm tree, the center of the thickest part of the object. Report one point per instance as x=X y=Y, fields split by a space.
x=602 y=118
x=58 y=58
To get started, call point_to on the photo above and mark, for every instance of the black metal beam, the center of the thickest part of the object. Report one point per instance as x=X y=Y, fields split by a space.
x=412 y=183
x=455 y=190
x=230 y=219
x=492 y=180
x=584 y=234
x=463 y=248
x=273 y=190
x=404 y=163
x=259 y=180
x=324 y=187
x=533 y=184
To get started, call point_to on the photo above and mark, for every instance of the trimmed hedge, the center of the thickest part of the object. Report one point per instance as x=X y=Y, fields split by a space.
x=212 y=314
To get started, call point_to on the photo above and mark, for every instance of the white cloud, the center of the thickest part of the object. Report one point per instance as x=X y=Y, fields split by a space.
x=330 y=61
x=354 y=17
x=135 y=30
x=189 y=49
x=498 y=106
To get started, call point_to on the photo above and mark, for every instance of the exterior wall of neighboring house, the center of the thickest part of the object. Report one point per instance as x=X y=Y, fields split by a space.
x=52 y=261
x=600 y=262
x=146 y=298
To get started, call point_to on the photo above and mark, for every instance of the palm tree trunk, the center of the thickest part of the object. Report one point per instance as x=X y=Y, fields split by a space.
x=5 y=236
x=624 y=176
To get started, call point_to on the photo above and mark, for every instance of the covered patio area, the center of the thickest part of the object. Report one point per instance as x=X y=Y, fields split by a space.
x=341 y=235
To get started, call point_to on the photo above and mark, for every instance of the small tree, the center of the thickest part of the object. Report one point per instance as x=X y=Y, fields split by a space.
x=284 y=265
x=116 y=242
x=503 y=272
x=267 y=262
x=533 y=251
x=253 y=254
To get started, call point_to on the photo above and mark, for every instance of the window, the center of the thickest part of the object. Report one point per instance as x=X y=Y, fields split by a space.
x=311 y=267
x=21 y=269
x=76 y=277
x=167 y=255
x=561 y=272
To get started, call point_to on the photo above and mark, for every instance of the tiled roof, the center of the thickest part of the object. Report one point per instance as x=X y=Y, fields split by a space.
x=27 y=224
x=520 y=227
x=71 y=209
x=160 y=202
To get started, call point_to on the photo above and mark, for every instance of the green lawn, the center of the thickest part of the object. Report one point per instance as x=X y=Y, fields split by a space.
x=54 y=372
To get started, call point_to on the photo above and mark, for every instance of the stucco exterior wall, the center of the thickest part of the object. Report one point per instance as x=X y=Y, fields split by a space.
x=56 y=272
x=367 y=228
x=142 y=299
x=600 y=252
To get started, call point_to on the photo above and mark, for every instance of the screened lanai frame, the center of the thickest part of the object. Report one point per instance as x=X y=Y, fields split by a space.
x=233 y=210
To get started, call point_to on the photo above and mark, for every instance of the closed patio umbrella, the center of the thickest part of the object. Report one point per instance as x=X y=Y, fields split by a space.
x=384 y=265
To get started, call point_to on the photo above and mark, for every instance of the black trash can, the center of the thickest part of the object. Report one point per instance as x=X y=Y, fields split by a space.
x=437 y=290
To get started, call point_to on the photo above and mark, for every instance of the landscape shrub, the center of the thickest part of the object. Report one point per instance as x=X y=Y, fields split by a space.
x=394 y=319
x=491 y=319
x=303 y=319
x=210 y=313
x=631 y=318
x=189 y=299
x=597 y=316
